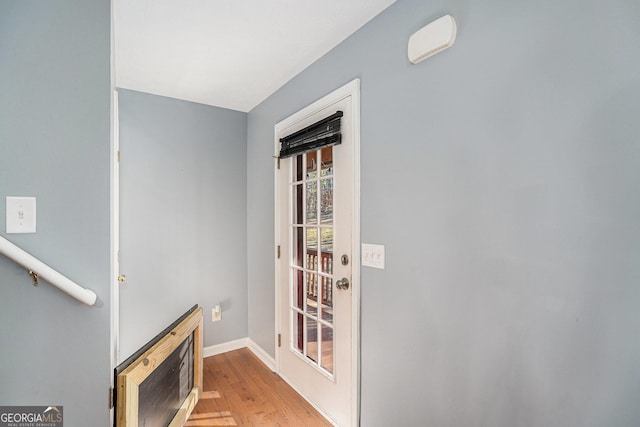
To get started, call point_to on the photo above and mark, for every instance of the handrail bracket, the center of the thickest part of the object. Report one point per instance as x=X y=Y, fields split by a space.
x=35 y=277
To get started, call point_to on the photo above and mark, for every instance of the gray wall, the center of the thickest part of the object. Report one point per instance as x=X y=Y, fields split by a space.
x=502 y=176
x=183 y=217
x=54 y=145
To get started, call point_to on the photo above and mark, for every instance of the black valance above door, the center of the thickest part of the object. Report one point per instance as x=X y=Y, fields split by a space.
x=324 y=133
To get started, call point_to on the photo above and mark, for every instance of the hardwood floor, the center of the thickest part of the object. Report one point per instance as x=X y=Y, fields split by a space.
x=239 y=390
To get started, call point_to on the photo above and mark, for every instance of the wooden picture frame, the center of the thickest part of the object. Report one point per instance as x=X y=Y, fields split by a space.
x=128 y=381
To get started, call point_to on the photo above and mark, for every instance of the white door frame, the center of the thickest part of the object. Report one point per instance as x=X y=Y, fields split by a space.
x=114 y=336
x=115 y=234
x=114 y=214
x=351 y=89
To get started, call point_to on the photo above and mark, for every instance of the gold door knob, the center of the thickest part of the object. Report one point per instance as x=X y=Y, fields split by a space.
x=122 y=278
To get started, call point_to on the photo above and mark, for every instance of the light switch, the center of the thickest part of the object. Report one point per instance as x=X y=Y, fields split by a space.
x=373 y=256
x=21 y=214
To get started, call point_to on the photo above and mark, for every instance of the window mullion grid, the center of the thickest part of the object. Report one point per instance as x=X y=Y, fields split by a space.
x=296 y=311
x=318 y=259
x=290 y=240
x=305 y=255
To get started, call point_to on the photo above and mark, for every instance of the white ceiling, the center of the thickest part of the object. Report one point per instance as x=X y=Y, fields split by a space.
x=227 y=53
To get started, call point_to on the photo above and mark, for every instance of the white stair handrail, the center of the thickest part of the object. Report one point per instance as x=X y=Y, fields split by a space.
x=30 y=262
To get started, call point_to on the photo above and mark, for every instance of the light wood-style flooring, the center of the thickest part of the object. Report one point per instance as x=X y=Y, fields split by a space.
x=239 y=390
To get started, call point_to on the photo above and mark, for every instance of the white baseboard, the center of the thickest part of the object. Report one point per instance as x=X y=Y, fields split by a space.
x=212 y=350
x=264 y=357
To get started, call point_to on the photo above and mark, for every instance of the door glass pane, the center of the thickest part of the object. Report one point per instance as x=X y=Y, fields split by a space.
x=298 y=171
x=327 y=161
x=311 y=260
x=298 y=246
x=297 y=329
x=312 y=202
x=326 y=249
x=312 y=294
x=297 y=291
x=312 y=165
x=312 y=248
x=326 y=266
x=296 y=214
x=327 y=348
x=312 y=339
x=326 y=200
x=326 y=300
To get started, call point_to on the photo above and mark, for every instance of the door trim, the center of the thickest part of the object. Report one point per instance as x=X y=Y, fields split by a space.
x=114 y=202
x=351 y=89
x=114 y=214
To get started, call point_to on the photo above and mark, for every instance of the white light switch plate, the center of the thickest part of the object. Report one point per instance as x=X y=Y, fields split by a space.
x=373 y=256
x=21 y=214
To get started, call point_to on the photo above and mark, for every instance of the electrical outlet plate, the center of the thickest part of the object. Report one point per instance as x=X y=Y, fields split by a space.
x=21 y=214
x=216 y=313
x=373 y=256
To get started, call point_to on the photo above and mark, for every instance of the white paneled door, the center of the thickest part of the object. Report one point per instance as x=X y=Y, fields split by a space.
x=317 y=274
